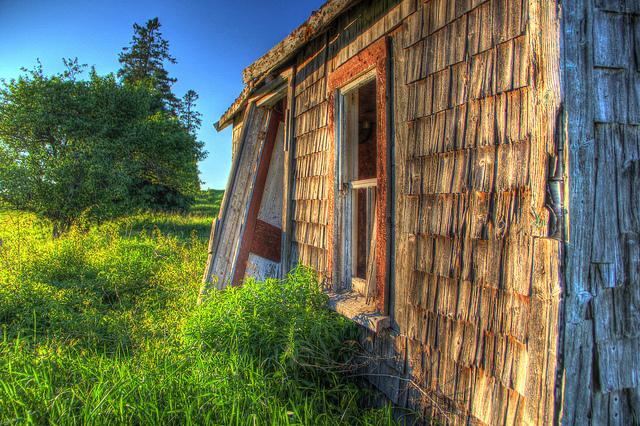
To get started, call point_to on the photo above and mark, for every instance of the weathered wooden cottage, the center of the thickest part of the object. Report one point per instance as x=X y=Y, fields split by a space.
x=464 y=177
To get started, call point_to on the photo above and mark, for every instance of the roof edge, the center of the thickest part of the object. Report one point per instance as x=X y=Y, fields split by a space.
x=317 y=23
x=227 y=118
x=312 y=27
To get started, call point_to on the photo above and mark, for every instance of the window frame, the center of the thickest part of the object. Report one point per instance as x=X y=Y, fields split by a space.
x=371 y=63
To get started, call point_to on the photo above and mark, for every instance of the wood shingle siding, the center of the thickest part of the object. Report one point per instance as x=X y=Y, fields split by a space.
x=512 y=180
x=464 y=126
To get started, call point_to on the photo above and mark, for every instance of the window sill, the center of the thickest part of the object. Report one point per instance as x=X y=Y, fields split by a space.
x=354 y=306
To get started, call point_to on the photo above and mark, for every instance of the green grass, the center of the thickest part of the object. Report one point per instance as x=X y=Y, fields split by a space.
x=101 y=327
x=208 y=202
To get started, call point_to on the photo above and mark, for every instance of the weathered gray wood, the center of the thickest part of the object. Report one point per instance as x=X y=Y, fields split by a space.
x=518 y=259
x=611 y=95
x=611 y=40
x=288 y=212
x=395 y=17
x=313 y=119
x=271 y=206
x=237 y=133
x=578 y=356
x=627 y=158
x=237 y=197
x=365 y=24
x=414 y=63
x=309 y=98
x=311 y=188
x=312 y=142
x=521 y=62
x=440 y=214
x=403 y=262
x=636 y=30
x=391 y=348
x=433 y=57
x=619 y=362
x=478 y=215
x=456 y=41
x=481 y=401
x=315 y=164
x=605 y=227
x=413 y=29
x=239 y=104
x=611 y=408
x=544 y=99
x=355 y=307
x=504 y=66
x=312 y=211
x=512 y=166
x=480 y=30
x=483 y=166
x=423 y=90
x=611 y=5
x=261 y=268
x=441 y=90
x=634 y=89
x=311 y=67
x=590 y=179
x=507 y=20
x=583 y=186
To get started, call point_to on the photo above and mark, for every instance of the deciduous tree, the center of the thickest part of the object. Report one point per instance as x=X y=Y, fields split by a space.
x=94 y=146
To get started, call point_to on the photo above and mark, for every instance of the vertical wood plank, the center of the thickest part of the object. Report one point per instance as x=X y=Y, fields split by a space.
x=236 y=199
x=255 y=200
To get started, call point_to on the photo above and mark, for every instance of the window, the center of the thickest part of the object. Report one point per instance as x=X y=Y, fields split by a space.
x=357 y=109
x=359 y=102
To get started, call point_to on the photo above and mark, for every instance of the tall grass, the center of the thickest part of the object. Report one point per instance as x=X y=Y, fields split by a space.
x=102 y=327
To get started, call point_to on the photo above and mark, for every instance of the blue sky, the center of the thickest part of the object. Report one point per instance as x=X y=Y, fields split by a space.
x=213 y=41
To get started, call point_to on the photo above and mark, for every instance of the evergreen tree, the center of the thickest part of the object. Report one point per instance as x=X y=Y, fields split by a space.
x=143 y=65
x=189 y=117
x=143 y=62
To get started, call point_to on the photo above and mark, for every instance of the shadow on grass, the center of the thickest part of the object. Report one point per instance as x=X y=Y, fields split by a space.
x=208 y=202
x=181 y=225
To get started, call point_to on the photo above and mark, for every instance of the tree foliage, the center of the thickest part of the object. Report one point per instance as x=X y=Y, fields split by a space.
x=143 y=62
x=143 y=65
x=189 y=117
x=93 y=146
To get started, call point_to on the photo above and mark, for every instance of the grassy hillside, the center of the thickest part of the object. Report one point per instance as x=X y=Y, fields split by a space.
x=101 y=327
